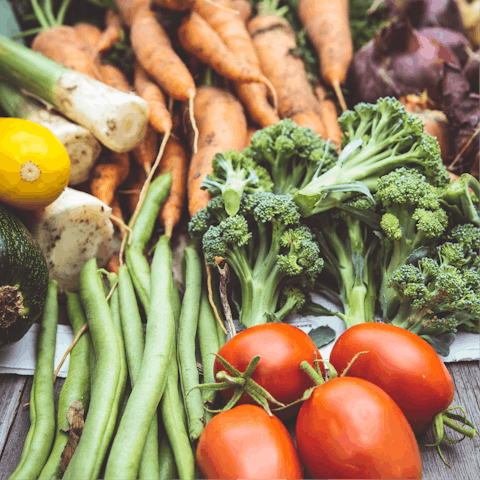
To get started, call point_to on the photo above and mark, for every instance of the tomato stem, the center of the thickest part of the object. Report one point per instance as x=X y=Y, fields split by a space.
x=306 y=367
x=347 y=368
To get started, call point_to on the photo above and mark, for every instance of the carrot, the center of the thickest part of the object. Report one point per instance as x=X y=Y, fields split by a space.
x=62 y=44
x=328 y=110
x=175 y=5
x=199 y=39
x=250 y=132
x=243 y=7
x=158 y=114
x=133 y=186
x=112 y=33
x=108 y=175
x=146 y=151
x=328 y=26
x=153 y=49
x=175 y=160
x=114 y=77
x=231 y=28
x=222 y=126
x=108 y=74
x=274 y=39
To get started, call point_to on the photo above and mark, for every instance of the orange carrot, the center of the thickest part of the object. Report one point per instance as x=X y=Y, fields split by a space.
x=158 y=114
x=274 y=40
x=113 y=264
x=328 y=26
x=233 y=31
x=175 y=160
x=108 y=175
x=114 y=77
x=243 y=7
x=146 y=151
x=62 y=44
x=250 y=132
x=175 y=5
x=328 y=110
x=112 y=33
x=153 y=49
x=222 y=126
x=133 y=187
x=199 y=39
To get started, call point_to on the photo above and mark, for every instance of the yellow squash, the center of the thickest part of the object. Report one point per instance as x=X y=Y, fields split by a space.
x=34 y=165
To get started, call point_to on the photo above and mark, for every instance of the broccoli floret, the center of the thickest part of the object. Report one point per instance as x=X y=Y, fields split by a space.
x=293 y=155
x=212 y=214
x=440 y=291
x=292 y=299
x=412 y=218
x=378 y=138
x=234 y=173
x=267 y=248
x=348 y=244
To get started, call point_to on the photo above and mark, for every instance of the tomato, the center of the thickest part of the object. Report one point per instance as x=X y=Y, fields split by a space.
x=400 y=363
x=350 y=428
x=245 y=442
x=281 y=348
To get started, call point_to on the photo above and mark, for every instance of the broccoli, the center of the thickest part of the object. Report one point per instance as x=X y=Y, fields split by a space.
x=266 y=247
x=378 y=138
x=293 y=155
x=234 y=173
x=439 y=291
x=460 y=199
x=348 y=245
x=412 y=218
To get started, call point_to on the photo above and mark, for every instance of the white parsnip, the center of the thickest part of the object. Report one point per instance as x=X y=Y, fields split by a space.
x=73 y=229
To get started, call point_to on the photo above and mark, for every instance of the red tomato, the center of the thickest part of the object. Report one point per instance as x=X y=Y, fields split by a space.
x=350 y=428
x=281 y=348
x=245 y=442
x=400 y=363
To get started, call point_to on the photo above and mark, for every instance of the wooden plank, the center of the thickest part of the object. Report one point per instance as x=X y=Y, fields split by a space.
x=18 y=432
x=11 y=390
x=464 y=457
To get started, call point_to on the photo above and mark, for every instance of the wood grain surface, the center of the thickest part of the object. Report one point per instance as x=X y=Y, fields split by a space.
x=464 y=457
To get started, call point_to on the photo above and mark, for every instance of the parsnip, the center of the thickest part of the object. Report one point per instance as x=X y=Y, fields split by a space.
x=73 y=229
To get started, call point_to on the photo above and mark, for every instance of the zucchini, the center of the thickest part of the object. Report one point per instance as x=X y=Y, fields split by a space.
x=23 y=279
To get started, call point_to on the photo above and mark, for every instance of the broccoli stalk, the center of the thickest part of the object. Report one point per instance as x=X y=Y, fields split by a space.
x=266 y=247
x=412 y=219
x=233 y=174
x=378 y=138
x=460 y=199
x=348 y=245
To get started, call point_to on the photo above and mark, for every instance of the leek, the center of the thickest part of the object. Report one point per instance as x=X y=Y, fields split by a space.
x=117 y=119
x=81 y=145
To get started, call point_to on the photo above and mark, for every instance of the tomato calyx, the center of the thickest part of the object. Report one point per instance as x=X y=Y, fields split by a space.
x=242 y=383
x=449 y=419
x=316 y=375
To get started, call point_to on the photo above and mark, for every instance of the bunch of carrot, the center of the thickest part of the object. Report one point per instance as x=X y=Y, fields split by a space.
x=247 y=47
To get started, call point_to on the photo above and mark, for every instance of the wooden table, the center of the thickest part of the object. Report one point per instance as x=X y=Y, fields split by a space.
x=464 y=457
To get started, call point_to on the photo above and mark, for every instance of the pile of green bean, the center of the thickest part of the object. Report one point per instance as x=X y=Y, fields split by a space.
x=143 y=415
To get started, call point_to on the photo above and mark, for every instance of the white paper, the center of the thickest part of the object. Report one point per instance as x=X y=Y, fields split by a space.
x=19 y=358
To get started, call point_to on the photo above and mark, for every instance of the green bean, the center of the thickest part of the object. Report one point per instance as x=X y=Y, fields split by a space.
x=187 y=330
x=134 y=345
x=76 y=386
x=97 y=432
x=40 y=440
x=129 y=441
x=141 y=232
x=168 y=467
x=208 y=340
x=114 y=305
x=174 y=418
